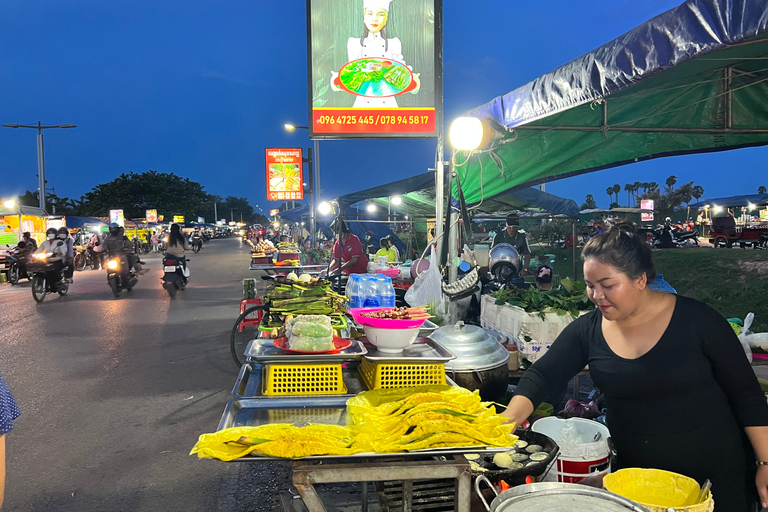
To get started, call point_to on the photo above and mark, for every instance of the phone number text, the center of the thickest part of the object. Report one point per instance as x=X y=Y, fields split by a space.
x=374 y=120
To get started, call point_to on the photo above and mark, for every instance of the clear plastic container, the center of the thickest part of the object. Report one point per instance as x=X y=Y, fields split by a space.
x=370 y=292
x=354 y=287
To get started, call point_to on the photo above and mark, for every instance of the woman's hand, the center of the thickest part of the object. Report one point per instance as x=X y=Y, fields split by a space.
x=761 y=481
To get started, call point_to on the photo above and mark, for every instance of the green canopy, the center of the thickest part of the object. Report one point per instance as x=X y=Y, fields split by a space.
x=693 y=79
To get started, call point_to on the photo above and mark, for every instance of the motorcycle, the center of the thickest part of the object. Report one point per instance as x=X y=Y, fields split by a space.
x=197 y=244
x=668 y=237
x=46 y=278
x=17 y=265
x=175 y=275
x=119 y=274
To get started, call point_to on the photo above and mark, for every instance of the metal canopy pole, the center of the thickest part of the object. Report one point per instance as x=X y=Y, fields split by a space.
x=575 y=267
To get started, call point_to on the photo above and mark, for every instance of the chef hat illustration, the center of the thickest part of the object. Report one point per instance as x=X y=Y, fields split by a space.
x=375 y=5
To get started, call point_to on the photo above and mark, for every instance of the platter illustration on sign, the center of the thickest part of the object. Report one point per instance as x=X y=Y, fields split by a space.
x=376 y=78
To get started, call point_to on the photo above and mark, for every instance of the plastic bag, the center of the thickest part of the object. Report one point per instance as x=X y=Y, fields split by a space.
x=427 y=287
x=743 y=336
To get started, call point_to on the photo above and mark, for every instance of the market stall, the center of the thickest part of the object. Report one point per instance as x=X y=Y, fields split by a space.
x=735 y=220
x=18 y=219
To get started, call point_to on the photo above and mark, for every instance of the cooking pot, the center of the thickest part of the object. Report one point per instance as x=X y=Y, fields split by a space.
x=504 y=262
x=555 y=496
x=481 y=360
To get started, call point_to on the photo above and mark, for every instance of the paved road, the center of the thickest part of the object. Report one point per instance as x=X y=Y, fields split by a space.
x=114 y=393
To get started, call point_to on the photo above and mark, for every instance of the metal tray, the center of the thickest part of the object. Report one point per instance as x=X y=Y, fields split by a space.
x=261 y=350
x=423 y=350
x=317 y=409
x=249 y=383
x=427 y=328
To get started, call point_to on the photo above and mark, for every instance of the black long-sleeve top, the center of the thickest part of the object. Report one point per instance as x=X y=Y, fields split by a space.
x=682 y=406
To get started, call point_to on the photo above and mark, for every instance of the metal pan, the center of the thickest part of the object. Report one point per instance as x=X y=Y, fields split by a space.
x=306 y=410
x=263 y=351
x=423 y=350
x=249 y=383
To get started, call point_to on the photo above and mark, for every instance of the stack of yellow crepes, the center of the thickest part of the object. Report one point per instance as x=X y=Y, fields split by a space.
x=381 y=421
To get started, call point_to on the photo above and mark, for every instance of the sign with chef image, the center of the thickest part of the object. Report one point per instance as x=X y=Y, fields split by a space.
x=284 y=174
x=375 y=69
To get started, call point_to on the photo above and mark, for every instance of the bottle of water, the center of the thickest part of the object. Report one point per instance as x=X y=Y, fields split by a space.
x=386 y=291
x=353 y=291
x=370 y=292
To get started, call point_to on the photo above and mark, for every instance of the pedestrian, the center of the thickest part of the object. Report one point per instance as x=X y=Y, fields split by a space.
x=393 y=246
x=9 y=411
x=155 y=242
x=660 y=355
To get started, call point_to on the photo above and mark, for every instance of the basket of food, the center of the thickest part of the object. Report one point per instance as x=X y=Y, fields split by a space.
x=287 y=251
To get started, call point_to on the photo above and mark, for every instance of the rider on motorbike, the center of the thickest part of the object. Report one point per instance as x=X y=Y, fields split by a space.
x=28 y=240
x=59 y=253
x=69 y=260
x=197 y=238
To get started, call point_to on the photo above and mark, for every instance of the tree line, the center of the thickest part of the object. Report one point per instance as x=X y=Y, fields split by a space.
x=135 y=193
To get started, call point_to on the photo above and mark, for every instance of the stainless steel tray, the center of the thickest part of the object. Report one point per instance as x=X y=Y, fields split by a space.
x=427 y=328
x=249 y=383
x=262 y=350
x=423 y=350
x=316 y=409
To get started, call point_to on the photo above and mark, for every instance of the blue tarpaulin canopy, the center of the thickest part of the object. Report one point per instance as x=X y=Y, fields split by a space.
x=733 y=201
x=693 y=79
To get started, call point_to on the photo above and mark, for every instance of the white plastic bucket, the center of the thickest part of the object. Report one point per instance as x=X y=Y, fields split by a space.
x=581 y=459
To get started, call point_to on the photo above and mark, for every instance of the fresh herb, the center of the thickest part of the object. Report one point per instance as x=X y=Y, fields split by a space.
x=570 y=298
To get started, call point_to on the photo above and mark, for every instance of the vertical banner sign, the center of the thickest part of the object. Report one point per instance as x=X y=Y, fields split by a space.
x=274 y=212
x=646 y=204
x=151 y=216
x=285 y=180
x=117 y=217
x=375 y=68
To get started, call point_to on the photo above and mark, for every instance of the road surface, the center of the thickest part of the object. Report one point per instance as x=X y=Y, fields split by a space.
x=114 y=393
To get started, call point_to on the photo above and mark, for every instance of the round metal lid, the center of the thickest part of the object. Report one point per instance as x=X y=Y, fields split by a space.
x=474 y=347
x=586 y=499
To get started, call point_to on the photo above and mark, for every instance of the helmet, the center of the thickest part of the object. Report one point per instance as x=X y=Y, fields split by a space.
x=667 y=220
x=504 y=262
x=114 y=229
x=49 y=232
x=63 y=231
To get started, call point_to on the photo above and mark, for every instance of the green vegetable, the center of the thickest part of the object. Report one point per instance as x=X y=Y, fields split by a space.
x=569 y=298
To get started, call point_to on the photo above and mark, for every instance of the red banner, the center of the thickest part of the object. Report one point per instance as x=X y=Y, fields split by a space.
x=285 y=181
x=373 y=120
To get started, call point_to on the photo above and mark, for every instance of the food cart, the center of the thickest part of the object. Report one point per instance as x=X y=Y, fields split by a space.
x=18 y=219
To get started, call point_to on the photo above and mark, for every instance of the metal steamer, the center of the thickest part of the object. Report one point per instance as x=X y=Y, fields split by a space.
x=481 y=360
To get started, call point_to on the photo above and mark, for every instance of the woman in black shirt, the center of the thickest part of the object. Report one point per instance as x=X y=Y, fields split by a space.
x=680 y=394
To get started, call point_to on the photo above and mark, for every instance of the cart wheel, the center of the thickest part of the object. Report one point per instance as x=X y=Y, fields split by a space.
x=246 y=328
x=13 y=274
x=721 y=241
x=38 y=288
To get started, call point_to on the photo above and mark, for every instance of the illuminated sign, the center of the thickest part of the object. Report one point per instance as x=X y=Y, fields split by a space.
x=646 y=204
x=201 y=220
x=151 y=216
x=274 y=212
x=284 y=174
x=178 y=219
x=375 y=68
x=117 y=217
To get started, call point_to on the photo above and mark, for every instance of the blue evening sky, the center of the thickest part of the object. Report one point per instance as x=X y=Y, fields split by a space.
x=199 y=88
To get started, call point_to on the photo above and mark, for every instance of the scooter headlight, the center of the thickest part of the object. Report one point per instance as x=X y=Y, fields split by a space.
x=41 y=256
x=112 y=264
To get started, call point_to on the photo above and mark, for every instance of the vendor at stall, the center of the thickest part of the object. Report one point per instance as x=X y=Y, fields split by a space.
x=386 y=251
x=678 y=388
x=353 y=257
x=512 y=236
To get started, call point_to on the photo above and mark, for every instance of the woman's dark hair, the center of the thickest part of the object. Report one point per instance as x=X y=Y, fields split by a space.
x=623 y=249
x=383 y=32
x=384 y=242
x=175 y=238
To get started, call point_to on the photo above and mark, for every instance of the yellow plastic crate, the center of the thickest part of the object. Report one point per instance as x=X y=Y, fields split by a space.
x=391 y=376
x=304 y=379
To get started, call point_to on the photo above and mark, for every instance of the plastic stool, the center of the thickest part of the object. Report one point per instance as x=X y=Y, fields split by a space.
x=244 y=303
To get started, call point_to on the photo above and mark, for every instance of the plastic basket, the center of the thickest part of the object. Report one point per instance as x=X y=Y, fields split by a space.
x=303 y=379
x=658 y=490
x=392 y=376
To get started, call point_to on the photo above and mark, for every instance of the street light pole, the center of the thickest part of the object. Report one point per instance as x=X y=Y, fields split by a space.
x=315 y=188
x=40 y=157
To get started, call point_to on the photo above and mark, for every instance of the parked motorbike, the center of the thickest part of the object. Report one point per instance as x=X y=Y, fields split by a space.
x=16 y=259
x=45 y=276
x=668 y=237
x=119 y=274
x=175 y=275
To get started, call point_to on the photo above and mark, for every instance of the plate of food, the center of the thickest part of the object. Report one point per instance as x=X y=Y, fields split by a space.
x=375 y=78
x=390 y=318
x=339 y=344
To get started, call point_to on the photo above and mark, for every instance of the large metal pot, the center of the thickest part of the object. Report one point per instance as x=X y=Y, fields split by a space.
x=481 y=360
x=555 y=496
